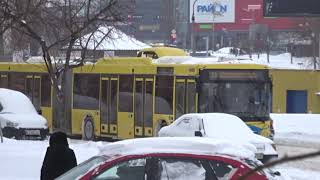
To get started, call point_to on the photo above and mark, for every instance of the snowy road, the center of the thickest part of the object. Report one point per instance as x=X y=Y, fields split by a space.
x=312 y=164
x=295 y=145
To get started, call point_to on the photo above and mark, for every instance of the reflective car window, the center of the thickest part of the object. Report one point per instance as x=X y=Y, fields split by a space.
x=189 y=124
x=222 y=170
x=184 y=169
x=195 y=125
x=82 y=168
x=133 y=169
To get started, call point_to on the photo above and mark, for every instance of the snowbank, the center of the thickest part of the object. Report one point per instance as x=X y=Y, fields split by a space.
x=297 y=123
x=298 y=128
x=22 y=160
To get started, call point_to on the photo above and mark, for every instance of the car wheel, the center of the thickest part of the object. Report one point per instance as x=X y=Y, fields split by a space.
x=88 y=129
x=7 y=133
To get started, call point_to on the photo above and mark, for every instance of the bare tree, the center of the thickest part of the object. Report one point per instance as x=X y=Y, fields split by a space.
x=61 y=24
x=311 y=30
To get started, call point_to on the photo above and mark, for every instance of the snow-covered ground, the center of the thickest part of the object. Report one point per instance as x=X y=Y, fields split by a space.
x=22 y=160
x=297 y=134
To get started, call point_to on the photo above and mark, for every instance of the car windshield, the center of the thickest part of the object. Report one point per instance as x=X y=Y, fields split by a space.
x=82 y=168
x=215 y=126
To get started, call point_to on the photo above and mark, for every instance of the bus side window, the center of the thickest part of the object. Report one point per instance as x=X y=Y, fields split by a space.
x=164 y=95
x=4 y=81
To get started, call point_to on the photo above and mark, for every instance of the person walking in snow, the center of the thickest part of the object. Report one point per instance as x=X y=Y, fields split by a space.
x=59 y=157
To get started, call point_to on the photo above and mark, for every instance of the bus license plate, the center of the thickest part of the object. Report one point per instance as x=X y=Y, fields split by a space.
x=32 y=132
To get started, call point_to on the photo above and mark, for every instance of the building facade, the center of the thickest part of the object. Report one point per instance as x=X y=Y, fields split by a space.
x=151 y=21
x=223 y=23
x=244 y=27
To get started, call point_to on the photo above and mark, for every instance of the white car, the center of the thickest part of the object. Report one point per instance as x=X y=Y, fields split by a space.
x=220 y=126
x=19 y=118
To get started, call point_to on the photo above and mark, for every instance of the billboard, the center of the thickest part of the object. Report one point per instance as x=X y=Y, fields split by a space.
x=291 y=8
x=212 y=11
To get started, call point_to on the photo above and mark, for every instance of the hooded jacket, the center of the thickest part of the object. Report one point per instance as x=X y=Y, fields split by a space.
x=59 y=157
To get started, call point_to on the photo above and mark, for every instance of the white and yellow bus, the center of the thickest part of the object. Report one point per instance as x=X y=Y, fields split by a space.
x=132 y=97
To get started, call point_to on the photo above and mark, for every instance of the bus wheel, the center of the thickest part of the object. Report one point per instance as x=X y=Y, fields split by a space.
x=160 y=124
x=88 y=129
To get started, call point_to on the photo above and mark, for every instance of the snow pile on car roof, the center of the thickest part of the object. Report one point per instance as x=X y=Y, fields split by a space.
x=11 y=101
x=193 y=145
x=216 y=125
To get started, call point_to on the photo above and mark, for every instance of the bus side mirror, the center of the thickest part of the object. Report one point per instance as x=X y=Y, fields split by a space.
x=39 y=111
x=198 y=134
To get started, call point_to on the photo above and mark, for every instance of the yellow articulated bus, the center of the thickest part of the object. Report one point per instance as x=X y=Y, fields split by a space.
x=134 y=97
x=32 y=80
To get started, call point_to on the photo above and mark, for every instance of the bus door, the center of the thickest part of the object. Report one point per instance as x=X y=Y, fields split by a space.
x=36 y=93
x=143 y=107
x=125 y=107
x=185 y=97
x=4 y=81
x=192 y=96
x=108 y=106
x=32 y=90
x=104 y=106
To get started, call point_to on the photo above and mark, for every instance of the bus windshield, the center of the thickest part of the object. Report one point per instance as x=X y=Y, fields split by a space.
x=246 y=98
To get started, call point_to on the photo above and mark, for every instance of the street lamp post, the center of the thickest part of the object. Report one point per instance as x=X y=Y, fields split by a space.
x=192 y=29
x=1 y=134
x=313 y=35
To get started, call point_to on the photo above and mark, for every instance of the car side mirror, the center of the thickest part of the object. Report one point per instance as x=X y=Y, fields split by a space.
x=198 y=133
x=277 y=173
x=39 y=111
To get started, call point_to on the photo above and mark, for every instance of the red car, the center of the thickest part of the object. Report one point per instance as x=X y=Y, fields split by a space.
x=168 y=159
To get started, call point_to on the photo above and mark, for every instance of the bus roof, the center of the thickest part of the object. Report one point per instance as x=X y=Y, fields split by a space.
x=124 y=60
x=165 y=51
x=23 y=67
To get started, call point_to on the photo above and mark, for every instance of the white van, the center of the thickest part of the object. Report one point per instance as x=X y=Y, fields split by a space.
x=19 y=118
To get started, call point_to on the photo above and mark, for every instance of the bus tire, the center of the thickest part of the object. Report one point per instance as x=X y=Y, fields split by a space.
x=88 y=129
x=160 y=124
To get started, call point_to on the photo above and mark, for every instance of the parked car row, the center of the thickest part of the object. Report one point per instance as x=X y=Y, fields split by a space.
x=225 y=148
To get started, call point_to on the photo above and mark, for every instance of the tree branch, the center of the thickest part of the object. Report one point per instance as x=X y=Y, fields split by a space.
x=280 y=161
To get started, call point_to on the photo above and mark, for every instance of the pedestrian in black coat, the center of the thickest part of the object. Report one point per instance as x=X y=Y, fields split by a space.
x=59 y=157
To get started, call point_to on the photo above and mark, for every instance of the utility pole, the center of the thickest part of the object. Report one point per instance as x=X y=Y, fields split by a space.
x=319 y=45
x=1 y=134
x=314 y=51
x=207 y=45
x=192 y=29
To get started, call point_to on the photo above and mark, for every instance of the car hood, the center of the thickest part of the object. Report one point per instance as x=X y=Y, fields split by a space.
x=24 y=120
x=256 y=140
